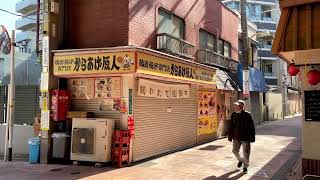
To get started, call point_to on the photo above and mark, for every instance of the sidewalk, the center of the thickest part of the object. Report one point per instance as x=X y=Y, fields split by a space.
x=277 y=145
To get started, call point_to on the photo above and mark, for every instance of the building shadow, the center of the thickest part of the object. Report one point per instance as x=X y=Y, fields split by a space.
x=227 y=176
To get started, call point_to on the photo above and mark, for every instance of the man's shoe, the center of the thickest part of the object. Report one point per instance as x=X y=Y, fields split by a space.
x=245 y=170
x=240 y=164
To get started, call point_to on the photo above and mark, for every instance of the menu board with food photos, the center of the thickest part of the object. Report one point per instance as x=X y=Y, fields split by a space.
x=109 y=104
x=207 y=115
x=108 y=87
x=81 y=88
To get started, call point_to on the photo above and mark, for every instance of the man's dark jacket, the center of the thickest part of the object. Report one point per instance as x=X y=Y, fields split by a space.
x=241 y=127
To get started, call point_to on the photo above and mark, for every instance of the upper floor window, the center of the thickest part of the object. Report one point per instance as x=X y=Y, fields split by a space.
x=170 y=24
x=207 y=41
x=226 y=49
x=266 y=13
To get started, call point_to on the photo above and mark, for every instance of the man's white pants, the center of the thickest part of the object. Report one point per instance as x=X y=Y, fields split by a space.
x=246 y=151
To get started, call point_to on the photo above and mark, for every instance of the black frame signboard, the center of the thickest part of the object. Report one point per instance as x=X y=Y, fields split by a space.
x=312 y=105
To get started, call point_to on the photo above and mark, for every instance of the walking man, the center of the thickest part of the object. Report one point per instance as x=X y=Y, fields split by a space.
x=241 y=132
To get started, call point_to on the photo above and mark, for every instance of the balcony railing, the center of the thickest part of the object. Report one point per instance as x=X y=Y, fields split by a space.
x=269 y=74
x=26 y=35
x=26 y=22
x=215 y=59
x=175 y=46
x=24 y=6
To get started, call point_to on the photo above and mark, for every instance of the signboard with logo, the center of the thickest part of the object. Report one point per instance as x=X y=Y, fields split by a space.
x=94 y=63
x=162 y=90
x=153 y=65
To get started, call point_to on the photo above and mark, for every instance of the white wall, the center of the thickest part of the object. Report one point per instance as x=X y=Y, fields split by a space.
x=21 y=134
x=275 y=105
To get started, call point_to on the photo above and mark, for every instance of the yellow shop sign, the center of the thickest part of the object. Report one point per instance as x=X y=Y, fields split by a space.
x=95 y=63
x=153 y=65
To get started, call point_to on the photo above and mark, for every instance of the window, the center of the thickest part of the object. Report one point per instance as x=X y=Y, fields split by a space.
x=236 y=5
x=220 y=47
x=269 y=43
x=170 y=24
x=207 y=41
x=227 y=49
x=266 y=12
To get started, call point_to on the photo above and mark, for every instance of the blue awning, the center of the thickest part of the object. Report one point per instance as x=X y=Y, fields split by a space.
x=257 y=82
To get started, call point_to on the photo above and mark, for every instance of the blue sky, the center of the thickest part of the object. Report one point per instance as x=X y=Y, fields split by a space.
x=8 y=20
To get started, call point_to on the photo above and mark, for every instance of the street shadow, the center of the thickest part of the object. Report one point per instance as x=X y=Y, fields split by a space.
x=278 y=166
x=211 y=148
x=226 y=176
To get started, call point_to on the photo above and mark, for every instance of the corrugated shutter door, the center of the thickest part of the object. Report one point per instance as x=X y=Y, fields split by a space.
x=158 y=131
x=93 y=106
x=27 y=104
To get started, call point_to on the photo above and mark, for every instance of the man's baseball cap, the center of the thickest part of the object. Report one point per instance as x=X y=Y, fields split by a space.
x=239 y=102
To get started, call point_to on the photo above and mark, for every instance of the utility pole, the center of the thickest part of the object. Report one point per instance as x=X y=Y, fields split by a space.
x=245 y=55
x=10 y=104
x=38 y=28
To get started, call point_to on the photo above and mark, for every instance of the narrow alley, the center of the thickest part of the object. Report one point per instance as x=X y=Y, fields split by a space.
x=274 y=154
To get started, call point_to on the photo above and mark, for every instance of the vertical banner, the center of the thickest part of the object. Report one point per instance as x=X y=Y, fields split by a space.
x=45 y=51
x=45 y=120
x=130 y=102
x=246 y=87
x=207 y=114
x=44 y=86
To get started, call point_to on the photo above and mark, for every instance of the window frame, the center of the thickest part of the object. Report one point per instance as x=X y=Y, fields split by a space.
x=171 y=24
x=207 y=35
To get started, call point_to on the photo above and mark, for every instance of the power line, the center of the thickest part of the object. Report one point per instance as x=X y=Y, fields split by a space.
x=16 y=14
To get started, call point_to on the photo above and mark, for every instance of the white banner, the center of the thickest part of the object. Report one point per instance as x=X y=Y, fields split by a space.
x=162 y=90
x=246 y=87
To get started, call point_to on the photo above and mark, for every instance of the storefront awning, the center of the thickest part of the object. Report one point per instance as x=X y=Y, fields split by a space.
x=225 y=82
x=297 y=37
x=257 y=82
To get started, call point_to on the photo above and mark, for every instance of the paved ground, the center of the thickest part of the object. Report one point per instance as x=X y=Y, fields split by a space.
x=275 y=153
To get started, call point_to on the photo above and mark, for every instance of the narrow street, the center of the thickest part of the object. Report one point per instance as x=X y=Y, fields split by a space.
x=276 y=150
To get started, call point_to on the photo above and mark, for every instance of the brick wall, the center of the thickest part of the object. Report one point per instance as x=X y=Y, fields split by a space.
x=210 y=15
x=310 y=166
x=96 y=23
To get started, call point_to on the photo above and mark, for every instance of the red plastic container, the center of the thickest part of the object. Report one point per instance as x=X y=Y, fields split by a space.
x=121 y=136
x=60 y=104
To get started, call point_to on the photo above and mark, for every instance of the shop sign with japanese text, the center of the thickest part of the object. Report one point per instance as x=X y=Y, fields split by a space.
x=94 y=63
x=154 y=65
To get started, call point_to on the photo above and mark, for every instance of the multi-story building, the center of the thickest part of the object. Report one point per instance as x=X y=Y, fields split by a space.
x=164 y=44
x=265 y=14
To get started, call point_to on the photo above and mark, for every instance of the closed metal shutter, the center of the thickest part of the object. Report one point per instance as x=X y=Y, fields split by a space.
x=158 y=131
x=93 y=106
x=27 y=104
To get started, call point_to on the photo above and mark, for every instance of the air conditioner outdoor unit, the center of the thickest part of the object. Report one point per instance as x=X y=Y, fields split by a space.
x=91 y=139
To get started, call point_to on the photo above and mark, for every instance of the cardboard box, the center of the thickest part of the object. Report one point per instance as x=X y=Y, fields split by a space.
x=79 y=114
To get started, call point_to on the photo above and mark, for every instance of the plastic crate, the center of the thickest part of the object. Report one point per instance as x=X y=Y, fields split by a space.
x=121 y=137
x=120 y=156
